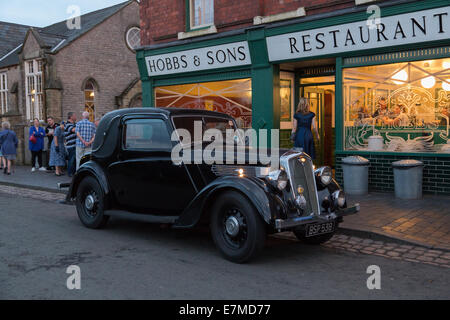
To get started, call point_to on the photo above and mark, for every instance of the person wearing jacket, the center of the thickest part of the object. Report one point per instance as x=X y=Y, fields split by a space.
x=36 y=144
x=9 y=143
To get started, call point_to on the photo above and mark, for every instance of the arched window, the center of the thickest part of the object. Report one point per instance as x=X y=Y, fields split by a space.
x=89 y=99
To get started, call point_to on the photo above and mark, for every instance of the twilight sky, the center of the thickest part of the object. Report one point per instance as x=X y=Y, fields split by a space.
x=41 y=13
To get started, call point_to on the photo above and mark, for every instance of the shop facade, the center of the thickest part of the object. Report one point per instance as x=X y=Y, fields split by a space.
x=379 y=91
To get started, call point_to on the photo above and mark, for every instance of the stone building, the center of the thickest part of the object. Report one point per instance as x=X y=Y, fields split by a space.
x=254 y=59
x=62 y=67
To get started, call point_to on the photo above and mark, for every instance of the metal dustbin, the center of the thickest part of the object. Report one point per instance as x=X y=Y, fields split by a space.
x=356 y=175
x=408 y=179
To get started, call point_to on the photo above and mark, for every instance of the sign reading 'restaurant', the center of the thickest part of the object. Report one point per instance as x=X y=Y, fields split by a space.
x=227 y=55
x=420 y=26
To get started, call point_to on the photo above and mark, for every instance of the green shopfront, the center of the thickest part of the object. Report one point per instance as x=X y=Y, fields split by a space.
x=379 y=91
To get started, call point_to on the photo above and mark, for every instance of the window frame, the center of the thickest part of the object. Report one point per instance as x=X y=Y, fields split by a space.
x=124 y=130
x=190 y=17
x=126 y=36
x=34 y=78
x=4 y=92
x=93 y=101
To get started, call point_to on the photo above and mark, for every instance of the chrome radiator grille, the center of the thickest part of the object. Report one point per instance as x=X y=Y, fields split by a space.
x=302 y=174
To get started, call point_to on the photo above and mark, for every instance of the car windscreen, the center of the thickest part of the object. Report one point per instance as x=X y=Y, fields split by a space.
x=207 y=122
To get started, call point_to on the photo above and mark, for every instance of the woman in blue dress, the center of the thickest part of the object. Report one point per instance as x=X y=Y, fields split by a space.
x=304 y=119
x=58 y=151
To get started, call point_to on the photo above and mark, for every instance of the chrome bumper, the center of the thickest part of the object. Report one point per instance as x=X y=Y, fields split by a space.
x=281 y=224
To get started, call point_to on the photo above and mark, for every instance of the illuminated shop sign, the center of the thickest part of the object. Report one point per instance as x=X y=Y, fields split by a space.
x=420 y=26
x=222 y=56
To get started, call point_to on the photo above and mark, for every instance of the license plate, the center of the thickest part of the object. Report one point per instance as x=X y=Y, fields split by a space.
x=319 y=228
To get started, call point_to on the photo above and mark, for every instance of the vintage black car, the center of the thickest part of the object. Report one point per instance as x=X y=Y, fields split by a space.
x=130 y=173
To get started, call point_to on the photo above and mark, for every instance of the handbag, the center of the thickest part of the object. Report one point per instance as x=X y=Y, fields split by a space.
x=33 y=139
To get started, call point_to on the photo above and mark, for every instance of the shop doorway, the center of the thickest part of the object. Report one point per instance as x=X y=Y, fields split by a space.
x=320 y=92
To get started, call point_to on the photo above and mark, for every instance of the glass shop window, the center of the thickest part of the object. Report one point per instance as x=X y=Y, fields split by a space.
x=399 y=107
x=146 y=134
x=233 y=97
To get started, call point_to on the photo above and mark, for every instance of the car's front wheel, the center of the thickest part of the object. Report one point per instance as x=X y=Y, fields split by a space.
x=90 y=203
x=236 y=227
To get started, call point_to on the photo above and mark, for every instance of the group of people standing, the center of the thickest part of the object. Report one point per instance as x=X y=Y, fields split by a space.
x=67 y=143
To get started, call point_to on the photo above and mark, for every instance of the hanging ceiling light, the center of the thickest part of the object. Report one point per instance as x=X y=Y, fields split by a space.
x=428 y=82
x=401 y=75
x=446 y=85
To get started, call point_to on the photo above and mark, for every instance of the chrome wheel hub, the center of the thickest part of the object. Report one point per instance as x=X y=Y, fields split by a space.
x=89 y=202
x=232 y=226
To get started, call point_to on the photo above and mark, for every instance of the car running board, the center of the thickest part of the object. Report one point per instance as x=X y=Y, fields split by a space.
x=141 y=216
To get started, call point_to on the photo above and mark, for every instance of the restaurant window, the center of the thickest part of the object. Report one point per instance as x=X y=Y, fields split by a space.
x=33 y=89
x=89 y=99
x=3 y=92
x=201 y=13
x=233 y=97
x=399 y=107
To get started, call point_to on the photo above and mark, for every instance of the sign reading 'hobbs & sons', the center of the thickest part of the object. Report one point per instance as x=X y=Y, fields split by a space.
x=227 y=55
x=420 y=26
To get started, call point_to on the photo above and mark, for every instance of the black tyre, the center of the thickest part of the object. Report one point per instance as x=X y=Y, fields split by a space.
x=236 y=227
x=90 y=203
x=315 y=240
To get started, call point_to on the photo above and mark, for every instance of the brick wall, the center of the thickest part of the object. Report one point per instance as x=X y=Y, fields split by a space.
x=103 y=55
x=162 y=20
x=436 y=172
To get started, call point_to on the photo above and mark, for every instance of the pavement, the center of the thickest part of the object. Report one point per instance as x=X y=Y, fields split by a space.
x=38 y=180
x=134 y=260
x=424 y=222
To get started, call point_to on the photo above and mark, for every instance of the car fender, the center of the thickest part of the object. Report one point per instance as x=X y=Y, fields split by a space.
x=89 y=168
x=254 y=189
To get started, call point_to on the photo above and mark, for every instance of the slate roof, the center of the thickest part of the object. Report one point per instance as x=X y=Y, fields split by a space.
x=11 y=36
x=50 y=37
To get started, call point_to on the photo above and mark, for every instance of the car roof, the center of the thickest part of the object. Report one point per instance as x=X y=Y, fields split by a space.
x=107 y=131
x=165 y=111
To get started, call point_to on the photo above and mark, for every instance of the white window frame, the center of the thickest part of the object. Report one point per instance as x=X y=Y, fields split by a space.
x=34 y=89
x=128 y=33
x=203 y=6
x=4 y=92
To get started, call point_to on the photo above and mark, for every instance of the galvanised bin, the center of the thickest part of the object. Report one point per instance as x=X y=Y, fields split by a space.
x=356 y=175
x=408 y=179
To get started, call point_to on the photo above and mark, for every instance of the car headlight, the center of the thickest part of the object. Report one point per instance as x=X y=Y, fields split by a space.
x=325 y=174
x=339 y=198
x=279 y=178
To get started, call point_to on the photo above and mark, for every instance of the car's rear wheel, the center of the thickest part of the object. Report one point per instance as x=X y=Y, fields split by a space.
x=90 y=203
x=236 y=227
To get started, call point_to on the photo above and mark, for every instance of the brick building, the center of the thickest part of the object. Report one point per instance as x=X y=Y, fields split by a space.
x=254 y=59
x=53 y=70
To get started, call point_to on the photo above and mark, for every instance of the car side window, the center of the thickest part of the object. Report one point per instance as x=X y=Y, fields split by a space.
x=146 y=134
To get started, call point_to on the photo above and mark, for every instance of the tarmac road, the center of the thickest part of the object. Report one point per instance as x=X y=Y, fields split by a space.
x=132 y=260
